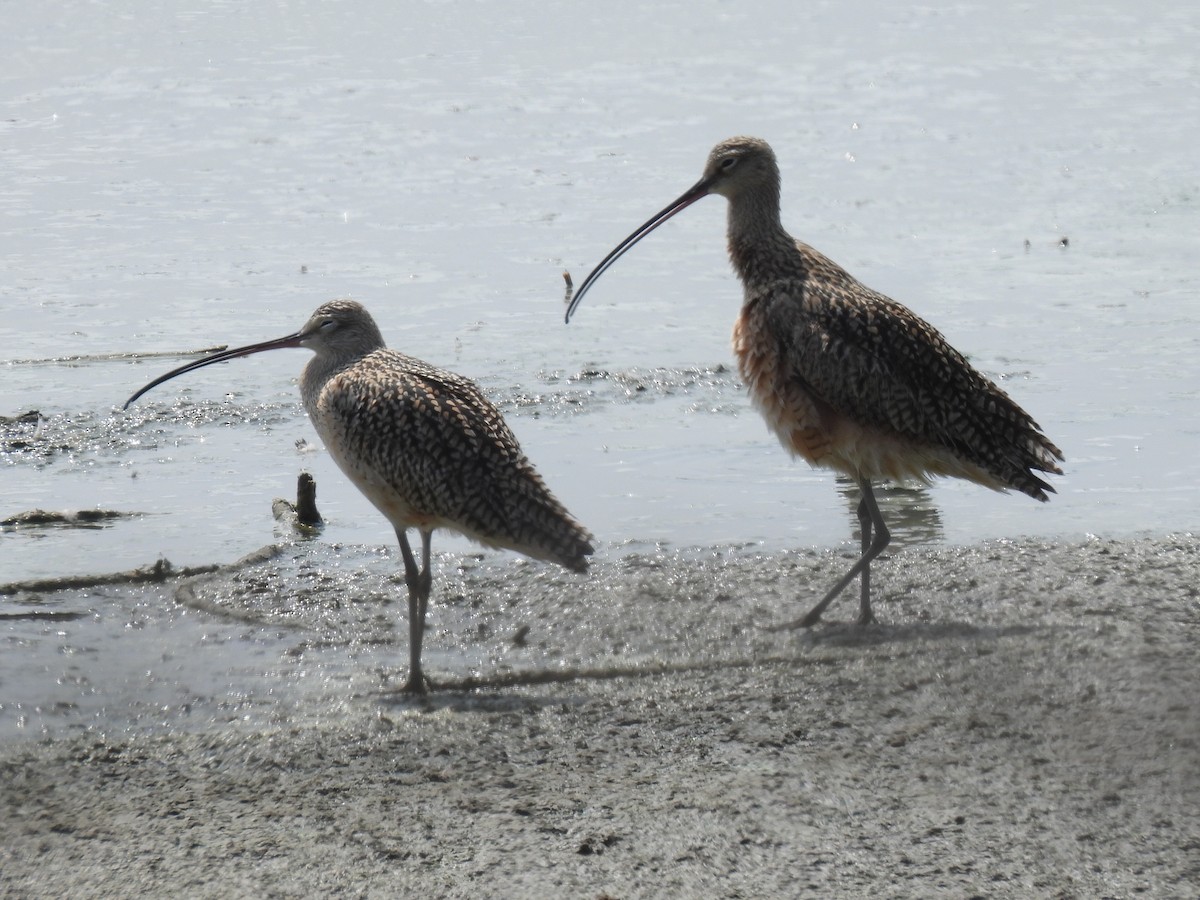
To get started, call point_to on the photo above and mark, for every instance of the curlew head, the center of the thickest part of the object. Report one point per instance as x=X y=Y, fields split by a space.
x=740 y=164
x=339 y=329
x=736 y=167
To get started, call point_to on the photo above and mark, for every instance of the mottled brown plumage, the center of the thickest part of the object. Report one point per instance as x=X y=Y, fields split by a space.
x=425 y=446
x=845 y=376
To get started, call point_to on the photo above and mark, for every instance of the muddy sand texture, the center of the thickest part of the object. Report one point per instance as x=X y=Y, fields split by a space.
x=1025 y=722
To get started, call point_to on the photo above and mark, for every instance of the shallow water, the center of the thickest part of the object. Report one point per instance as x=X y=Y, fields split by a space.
x=208 y=176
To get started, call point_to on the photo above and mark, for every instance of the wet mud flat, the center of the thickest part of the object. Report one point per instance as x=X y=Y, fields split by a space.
x=1024 y=722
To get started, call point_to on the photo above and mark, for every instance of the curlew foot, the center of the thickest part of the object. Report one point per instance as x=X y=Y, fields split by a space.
x=417 y=685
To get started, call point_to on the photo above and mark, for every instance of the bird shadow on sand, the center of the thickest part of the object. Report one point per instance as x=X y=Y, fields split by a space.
x=854 y=635
x=487 y=693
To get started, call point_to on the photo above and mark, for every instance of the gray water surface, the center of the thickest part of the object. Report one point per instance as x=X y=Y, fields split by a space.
x=178 y=176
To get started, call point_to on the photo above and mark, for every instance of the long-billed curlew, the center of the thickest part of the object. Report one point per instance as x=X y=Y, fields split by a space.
x=425 y=447
x=846 y=377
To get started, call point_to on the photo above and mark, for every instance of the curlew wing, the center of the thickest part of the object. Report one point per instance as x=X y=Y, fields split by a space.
x=869 y=358
x=429 y=449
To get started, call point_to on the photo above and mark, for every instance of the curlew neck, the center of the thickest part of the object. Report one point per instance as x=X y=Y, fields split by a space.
x=759 y=247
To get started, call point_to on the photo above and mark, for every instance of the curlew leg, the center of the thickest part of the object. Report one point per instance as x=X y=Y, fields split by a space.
x=865 y=616
x=419 y=582
x=868 y=515
x=872 y=545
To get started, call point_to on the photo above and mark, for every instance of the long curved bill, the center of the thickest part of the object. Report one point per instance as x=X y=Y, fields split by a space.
x=690 y=196
x=292 y=340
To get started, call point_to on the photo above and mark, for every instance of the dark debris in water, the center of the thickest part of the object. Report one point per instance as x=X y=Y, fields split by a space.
x=34 y=438
x=661 y=380
x=51 y=615
x=302 y=515
x=159 y=571
x=80 y=518
x=26 y=418
x=589 y=389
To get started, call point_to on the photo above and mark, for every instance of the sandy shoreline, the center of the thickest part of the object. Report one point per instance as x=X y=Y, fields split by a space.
x=1024 y=723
